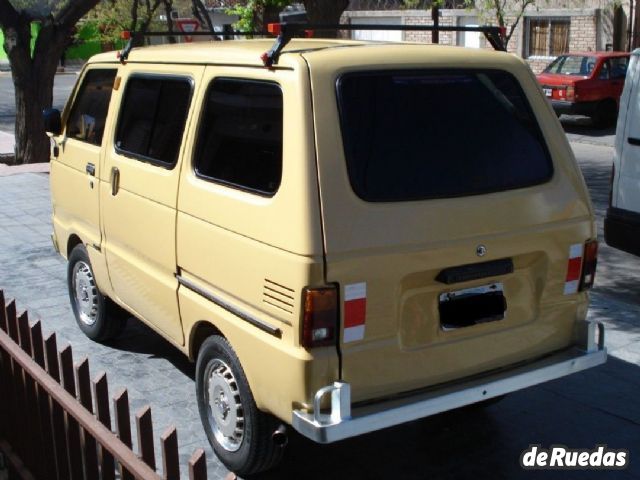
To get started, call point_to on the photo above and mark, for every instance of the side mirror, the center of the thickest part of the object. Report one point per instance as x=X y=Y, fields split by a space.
x=52 y=121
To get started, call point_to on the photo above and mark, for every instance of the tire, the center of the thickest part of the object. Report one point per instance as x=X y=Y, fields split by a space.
x=238 y=432
x=605 y=114
x=97 y=316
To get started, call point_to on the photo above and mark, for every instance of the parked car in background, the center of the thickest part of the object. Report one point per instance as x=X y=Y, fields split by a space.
x=622 y=222
x=586 y=84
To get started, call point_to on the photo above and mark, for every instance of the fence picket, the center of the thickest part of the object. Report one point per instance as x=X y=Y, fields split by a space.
x=73 y=429
x=101 y=394
x=89 y=450
x=3 y=313
x=170 y=461
x=144 y=426
x=198 y=465
x=57 y=415
x=47 y=423
x=19 y=433
x=48 y=463
x=32 y=420
x=12 y=321
x=123 y=427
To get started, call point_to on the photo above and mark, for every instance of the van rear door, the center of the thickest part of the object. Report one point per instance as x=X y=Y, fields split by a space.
x=449 y=223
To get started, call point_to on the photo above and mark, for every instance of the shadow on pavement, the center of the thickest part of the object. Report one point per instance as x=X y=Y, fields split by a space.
x=595 y=407
x=580 y=125
x=139 y=338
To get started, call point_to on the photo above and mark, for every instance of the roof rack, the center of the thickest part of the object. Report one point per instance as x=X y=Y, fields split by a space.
x=133 y=37
x=287 y=31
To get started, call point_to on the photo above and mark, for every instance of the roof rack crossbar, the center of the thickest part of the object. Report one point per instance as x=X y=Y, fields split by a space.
x=133 y=37
x=287 y=31
x=494 y=35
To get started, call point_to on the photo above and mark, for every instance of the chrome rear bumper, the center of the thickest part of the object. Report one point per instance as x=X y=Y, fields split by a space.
x=343 y=423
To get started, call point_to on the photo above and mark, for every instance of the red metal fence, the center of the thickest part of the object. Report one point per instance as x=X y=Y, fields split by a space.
x=48 y=427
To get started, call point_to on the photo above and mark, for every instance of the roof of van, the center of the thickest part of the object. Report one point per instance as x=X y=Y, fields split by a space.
x=248 y=52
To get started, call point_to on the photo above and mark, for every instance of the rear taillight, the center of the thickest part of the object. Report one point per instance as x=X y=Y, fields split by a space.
x=589 y=263
x=571 y=93
x=320 y=316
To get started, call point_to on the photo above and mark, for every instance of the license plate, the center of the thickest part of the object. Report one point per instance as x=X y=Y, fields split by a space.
x=471 y=306
x=547 y=91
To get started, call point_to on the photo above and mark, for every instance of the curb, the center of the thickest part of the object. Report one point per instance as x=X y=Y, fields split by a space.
x=7 y=170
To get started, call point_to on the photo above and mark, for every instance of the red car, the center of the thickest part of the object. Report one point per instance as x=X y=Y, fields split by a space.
x=587 y=83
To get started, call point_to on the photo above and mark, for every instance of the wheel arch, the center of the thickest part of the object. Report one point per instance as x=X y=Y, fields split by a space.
x=73 y=241
x=200 y=331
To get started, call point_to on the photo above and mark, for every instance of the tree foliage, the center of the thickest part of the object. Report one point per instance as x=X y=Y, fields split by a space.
x=251 y=13
x=255 y=13
x=502 y=11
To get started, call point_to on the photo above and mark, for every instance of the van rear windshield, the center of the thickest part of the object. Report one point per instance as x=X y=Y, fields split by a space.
x=415 y=135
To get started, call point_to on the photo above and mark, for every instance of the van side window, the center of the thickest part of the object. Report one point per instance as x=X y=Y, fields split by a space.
x=152 y=120
x=89 y=112
x=240 y=137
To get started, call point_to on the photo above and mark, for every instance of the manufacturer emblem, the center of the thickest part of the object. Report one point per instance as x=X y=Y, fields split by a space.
x=481 y=250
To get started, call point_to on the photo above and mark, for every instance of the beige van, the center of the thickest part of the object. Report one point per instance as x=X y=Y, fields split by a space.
x=357 y=236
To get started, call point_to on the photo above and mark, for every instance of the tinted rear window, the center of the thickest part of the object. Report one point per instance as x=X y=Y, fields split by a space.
x=432 y=134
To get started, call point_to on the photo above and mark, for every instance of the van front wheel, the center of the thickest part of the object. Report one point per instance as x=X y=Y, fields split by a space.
x=97 y=316
x=239 y=433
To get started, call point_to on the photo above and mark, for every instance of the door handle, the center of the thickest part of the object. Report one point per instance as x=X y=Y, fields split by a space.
x=633 y=141
x=91 y=169
x=115 y=181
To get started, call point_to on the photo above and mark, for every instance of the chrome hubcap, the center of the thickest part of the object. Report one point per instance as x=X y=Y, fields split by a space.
x=225 y=412
x=86 y=293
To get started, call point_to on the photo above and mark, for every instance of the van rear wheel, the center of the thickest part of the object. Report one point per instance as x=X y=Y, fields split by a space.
x=239 y=433
x=97 y=316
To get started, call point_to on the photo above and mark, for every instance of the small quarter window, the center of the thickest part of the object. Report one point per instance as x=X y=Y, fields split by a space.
x=152 y=120
x=89 y=112
x=240 y=137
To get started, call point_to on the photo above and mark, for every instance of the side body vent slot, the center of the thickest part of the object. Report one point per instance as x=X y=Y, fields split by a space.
x=278 y=296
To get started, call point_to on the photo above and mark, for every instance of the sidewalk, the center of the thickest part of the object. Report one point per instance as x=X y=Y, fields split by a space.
x=7 y=143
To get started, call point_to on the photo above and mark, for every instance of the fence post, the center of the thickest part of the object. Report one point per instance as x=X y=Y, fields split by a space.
x=89 y=443
x=144 y=426
x=101 y=394
x=48 y=444
x=73 y=429
x=170 y=462
x=198 y=465
x=123 y=427
x=57 y=415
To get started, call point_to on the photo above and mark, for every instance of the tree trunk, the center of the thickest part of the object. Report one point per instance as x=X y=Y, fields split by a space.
x=33 y=85
x=325 y=12
x=33 y=74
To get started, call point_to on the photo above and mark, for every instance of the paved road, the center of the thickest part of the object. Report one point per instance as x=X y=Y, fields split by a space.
x=62 y=88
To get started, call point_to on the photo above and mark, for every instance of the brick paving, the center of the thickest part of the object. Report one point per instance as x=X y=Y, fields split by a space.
x=152 y=370
x=593 y=407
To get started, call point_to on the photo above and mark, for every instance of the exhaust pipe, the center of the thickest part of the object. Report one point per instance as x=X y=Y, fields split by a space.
x=279 y=436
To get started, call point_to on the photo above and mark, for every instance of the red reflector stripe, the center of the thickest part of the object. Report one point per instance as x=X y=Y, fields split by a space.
x=574 y=265
x=573 y=269
x=355 y=312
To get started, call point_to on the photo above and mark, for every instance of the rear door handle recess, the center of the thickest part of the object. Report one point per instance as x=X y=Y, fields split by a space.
x=115 y=180
x=633 y=141
x=91 y=169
